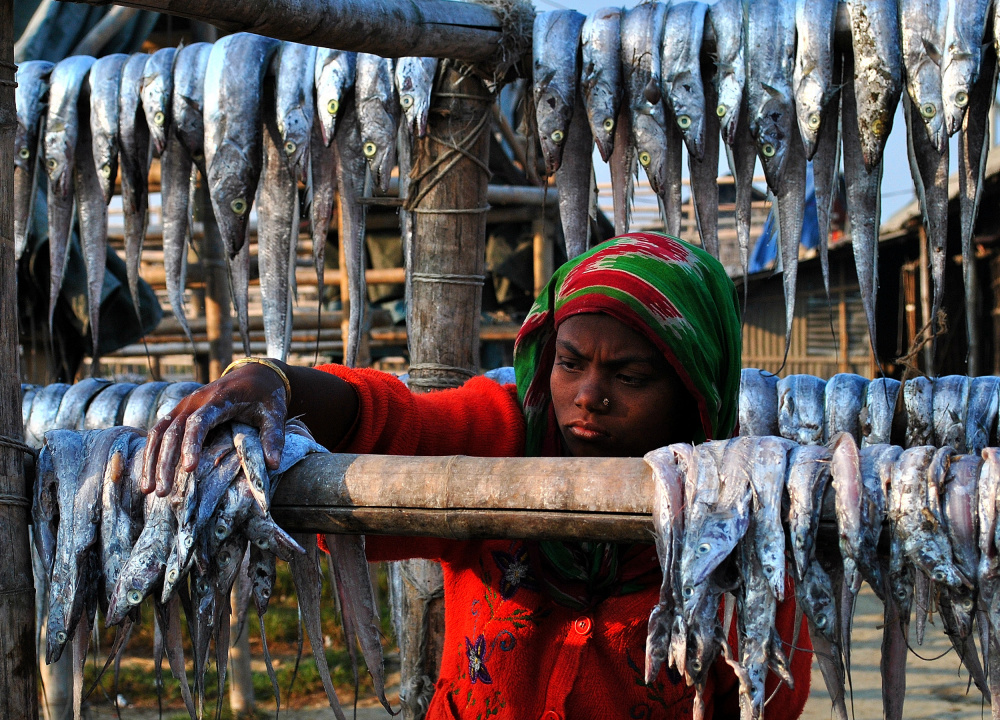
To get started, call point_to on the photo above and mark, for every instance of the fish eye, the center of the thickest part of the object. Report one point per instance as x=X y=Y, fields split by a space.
x=106 y=171
x=51 y=163
x=939 y=576
x=265 y=592
x=696 y=664
x=134 y=597
x=814 y=121
x=928 y=110
x=188 y=541
x=370 y=149
x=684 y=121
x=60 y=637
x=704 y=548
x=221 y=530
x=644 y=159
x=172 y=575
x=263 y=544
x=203 y=587
x=239 y=206
x=258 y=485
x=332 y=107
x=24 y=153
x=198 y=158
x=721 y=110
x=967 y=604
x=688 y=592
x=406 y=101
x=901 y=594
x=768 y=570
x=609 y=124
x=159 y=118
x=768 y=150
x=961 y=98
x=224 y=559
x=821 y=621
x=557 y=136
x=289 y=147
x=877 y=126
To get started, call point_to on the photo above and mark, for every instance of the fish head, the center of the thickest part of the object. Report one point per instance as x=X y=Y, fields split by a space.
x=379 y=148
x=602 y=104
x=730 y=93
x=25 y=147
x=771 y=128
x=157 y=88
x=687 y=101
x=232 y=183
x=650 y=149
x=956 y=100
x=56 y=634
x=106 y=161
x=809 y=103
x=328 y=103
x=416 y=109
x=552 y=113
x=59 y=156
x=295 y=129
x=226 y=564
x=131 y=589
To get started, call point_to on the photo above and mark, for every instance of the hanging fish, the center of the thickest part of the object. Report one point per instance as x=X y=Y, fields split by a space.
x=334 y=77
x=134 y=157
x=188 y=101
x=233 y=131
x=726 y=17
x=877 y=72
x=815 y=86
x=923 y=27
x=294 y=101
x=105 y=84
x=918 y=401
x=378 y=115
x=600 y=75
x=157 y=93
x=950 y=410
x=576 y=184
x=642 y=37
x=844 y=396
x=879 y=410
x=758 y=402
x=800 y=408
x=414 y=83
x=826 y=167
x=555 y=73
x=964 y=38
x=981 y=422
x=32 y=79
x=62 y=130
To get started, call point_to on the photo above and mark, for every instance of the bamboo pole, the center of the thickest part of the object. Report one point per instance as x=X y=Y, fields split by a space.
x=18 y=662
x=390 y=28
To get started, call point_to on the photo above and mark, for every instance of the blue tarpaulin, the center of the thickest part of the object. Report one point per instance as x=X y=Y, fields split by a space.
x=765 y=251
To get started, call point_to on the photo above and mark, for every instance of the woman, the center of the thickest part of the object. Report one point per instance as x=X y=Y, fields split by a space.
x=630 y=347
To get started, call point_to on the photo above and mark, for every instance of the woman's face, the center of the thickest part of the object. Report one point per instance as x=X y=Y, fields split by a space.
x=613 y=393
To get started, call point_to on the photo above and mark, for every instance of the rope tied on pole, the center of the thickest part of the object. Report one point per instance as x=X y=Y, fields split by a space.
x=440 y=367
x=14 y=500
x=448 y=278
x=452 y=211
x=15 y=444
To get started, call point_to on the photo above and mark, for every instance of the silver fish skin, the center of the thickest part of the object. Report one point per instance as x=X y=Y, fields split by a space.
x=171 y=395
x=575 y=180
x=414 y=83
x=188 y=99
x=79 y=497
x=92 y=217
x=59 y=461
x=27 y=396
x=827 y=657
x=950 y=410
x=844 y=397
x=808 y=477
x=770 y=53
x=726 y=17
x=601 y=75
x=246 y=440
x=981 y=421
x=756 y=612
x=239 y=284
x=122 y=505
x=555 y=73
x=294 y=103
x=704 y=173
x=277 y=237
x=157 y=94
x=923 y=26
x=767 y=479
x=642 y=36
x=988 y=572
x=668 y=523
x=134 y=158
x=623 y=167
x=44 y=410
x=105 y=82
x=960 y=512
x=378 y=115
x=233 y=130
x=876 y=463
x=32 y=78
x=826 y=167
x=924 y=538
x=670 y=195
x=681 y=80
x=141 y=406
x=845 y=471
x=918 y=400
x=813 y=79
x=62 y=128
x=800 y=408
x=168 y=626
x=964 y=37
x=742 y=154
x=790 y=203
x=323 y=184
x=335 y=71
x=350 y=164
x=878 y=411
x=877 y=72
x=758 y=413
x=863 y=195
x=105 y=410
x=147 y=560
x=73 y=406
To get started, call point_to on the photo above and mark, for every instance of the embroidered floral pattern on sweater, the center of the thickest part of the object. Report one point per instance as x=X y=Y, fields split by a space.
x=515 y=571
x=477 y=660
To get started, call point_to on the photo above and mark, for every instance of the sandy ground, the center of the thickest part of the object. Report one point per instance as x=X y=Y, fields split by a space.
x=934 y=689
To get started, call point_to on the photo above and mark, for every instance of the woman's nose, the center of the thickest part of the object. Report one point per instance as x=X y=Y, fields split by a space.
x=590 y=394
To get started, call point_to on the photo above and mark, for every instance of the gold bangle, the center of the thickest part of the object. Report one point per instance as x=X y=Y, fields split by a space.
x=267 y=363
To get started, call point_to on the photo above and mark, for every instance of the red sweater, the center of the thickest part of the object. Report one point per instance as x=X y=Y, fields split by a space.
x=509 y=650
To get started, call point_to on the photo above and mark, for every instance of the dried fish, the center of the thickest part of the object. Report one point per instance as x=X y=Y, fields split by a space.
x=844 y=396
x=601 y=76
x=879 y=410
x=981 y=420
x=378 y=112
x=555 y=73
x=950 y=410
x=32 y=78
x=157 y=95
x=758 y=412
x=813 y=79
x=800 y=408
x=134 y=156
x=105 y=85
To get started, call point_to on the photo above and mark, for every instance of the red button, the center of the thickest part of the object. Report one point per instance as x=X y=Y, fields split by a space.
x=582 y=625
x=551 y=715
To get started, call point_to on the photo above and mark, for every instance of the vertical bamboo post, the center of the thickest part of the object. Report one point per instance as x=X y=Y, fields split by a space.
x=449 y=204
x=18 y=663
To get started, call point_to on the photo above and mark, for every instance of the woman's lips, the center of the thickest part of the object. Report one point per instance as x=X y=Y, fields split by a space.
x=586 y=431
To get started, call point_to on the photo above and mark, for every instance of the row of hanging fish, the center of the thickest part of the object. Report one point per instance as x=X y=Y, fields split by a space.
x=718 y=515
x=253 y=117
x=953 y=410
x=643 y=82
x=99 y=542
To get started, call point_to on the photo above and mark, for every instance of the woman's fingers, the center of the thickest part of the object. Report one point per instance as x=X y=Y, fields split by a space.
x=147 y=483
x=166 y=464
x=198 y=425
x=272 y=435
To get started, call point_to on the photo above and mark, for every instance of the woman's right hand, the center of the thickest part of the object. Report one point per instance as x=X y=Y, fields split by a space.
x=253 y=394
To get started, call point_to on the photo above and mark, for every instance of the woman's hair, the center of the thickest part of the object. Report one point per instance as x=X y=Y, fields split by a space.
x=675 y=294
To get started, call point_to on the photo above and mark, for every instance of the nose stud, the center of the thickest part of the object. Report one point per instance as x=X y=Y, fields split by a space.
x=606 y=402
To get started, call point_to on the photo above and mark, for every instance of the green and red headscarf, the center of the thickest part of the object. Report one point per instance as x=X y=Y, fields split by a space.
x=675 y=294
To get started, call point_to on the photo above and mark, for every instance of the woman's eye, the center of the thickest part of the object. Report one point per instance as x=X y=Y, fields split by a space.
x=630 y=379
